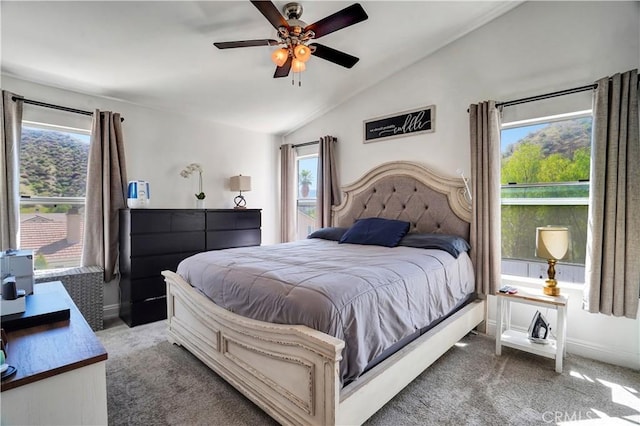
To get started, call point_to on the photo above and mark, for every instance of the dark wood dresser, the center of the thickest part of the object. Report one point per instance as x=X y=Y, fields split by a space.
x=152 y=240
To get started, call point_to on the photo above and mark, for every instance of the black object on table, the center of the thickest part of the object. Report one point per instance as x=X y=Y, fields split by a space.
x=40 y=309
x=10 y=371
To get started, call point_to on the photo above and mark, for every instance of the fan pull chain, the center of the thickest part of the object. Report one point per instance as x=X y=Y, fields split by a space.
x=293 y=77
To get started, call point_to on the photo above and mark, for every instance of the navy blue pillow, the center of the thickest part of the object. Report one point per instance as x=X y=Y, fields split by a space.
x=376 y=231
x=329 y=233
x=452 y=244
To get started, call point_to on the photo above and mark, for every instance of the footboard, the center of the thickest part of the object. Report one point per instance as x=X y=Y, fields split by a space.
x=291 y=372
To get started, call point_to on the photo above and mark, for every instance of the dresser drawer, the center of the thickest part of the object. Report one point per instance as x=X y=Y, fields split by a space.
x=233 y=220
x=152 y=266
x=140 y=289
x=151 y=221
x=144 y=312
x=180 y=242
x=229 y=239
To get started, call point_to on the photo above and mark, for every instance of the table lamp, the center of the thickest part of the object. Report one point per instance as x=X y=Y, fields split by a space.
x=240 y=183
x=552 y=243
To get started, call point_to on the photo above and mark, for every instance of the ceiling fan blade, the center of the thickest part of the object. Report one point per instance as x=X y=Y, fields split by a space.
x=245 y=43
x=272 y=13
x=344 y=18
x=283 y=71
x=333 y=55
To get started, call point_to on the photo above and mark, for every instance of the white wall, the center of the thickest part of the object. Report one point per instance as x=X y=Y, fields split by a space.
x=159 y=144
x=536 y=48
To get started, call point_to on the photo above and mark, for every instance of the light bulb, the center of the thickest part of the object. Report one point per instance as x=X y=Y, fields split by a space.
x=279 y=57
x=302 y=52
x=297 y=65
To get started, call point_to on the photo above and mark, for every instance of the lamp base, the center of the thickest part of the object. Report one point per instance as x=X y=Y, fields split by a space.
x=240 y=202
x=551 y=288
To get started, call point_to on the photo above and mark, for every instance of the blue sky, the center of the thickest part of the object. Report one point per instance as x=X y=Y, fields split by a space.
x=311 y=164
x=509 y=136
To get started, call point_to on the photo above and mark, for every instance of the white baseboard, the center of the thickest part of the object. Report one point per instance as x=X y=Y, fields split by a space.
x=111 y=311
x=602 y=353
x=588 y=350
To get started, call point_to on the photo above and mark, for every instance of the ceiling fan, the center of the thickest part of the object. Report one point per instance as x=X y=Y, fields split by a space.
x=295 y=36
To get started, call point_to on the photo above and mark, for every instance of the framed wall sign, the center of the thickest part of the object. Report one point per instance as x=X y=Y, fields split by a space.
x=421 y=120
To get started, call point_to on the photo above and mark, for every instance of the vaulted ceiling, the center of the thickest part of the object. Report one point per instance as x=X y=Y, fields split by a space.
x=160 y=53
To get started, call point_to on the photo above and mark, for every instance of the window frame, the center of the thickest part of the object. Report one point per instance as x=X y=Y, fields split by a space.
x=568 y=201
x=311 y=151
x=27 y=200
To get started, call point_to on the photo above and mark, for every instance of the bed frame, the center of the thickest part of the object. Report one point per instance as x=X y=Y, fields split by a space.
x=292 y=371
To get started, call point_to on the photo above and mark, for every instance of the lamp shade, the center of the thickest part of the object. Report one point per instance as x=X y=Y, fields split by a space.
x=297 y=65
x=240 y=183
x=552 y=242
x=280 y=56
x=302 y=52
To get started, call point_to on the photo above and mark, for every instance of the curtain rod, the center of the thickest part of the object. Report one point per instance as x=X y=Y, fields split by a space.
x=304 y=144
x=307 y=143
x=52 y=106
x=548 y=95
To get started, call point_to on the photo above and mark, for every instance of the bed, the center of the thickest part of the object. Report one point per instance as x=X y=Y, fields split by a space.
x=296 y=373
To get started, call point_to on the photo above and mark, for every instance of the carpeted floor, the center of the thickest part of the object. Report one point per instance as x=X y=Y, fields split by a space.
x=151 y=382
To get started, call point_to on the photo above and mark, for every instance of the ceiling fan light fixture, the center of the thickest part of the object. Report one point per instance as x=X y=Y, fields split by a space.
x=297 y=65
x=302 y=52
x=295 y=40
x=279 y=57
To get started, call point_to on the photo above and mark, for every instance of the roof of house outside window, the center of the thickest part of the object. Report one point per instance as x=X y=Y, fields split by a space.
x=46 y=234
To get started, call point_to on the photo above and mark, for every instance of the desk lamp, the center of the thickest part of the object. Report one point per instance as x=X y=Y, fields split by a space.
x=552 y=243
x=240 y=183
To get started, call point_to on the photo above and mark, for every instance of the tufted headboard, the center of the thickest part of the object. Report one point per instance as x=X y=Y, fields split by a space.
x=407 y=191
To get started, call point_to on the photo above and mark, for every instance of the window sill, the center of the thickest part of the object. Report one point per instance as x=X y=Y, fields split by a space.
x=537 y=283
x=56 y=271
x=74 y=270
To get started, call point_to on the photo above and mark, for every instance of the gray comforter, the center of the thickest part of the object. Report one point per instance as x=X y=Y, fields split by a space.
x=368 y=296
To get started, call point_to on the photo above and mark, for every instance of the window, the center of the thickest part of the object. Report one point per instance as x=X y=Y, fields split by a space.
x=306 y=171
x=53 y=173
x=545 y=181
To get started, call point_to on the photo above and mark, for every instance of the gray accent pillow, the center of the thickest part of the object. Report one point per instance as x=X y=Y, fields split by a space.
x=329 y=233
x=452 y=244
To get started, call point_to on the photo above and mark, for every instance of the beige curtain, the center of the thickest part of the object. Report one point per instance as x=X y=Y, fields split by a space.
x=328 y=189
x=613 y=234
x=106 y=193
x=11 y=127
x=485 y=177
x=287 y=193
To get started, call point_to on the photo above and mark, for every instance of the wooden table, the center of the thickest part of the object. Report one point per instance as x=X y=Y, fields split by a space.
x=61 y=377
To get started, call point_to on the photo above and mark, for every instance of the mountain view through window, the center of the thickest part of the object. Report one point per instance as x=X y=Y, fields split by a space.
x=53 y=169
x=545 y=181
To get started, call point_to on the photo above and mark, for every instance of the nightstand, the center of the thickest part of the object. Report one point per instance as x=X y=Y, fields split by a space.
x=505 y=336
